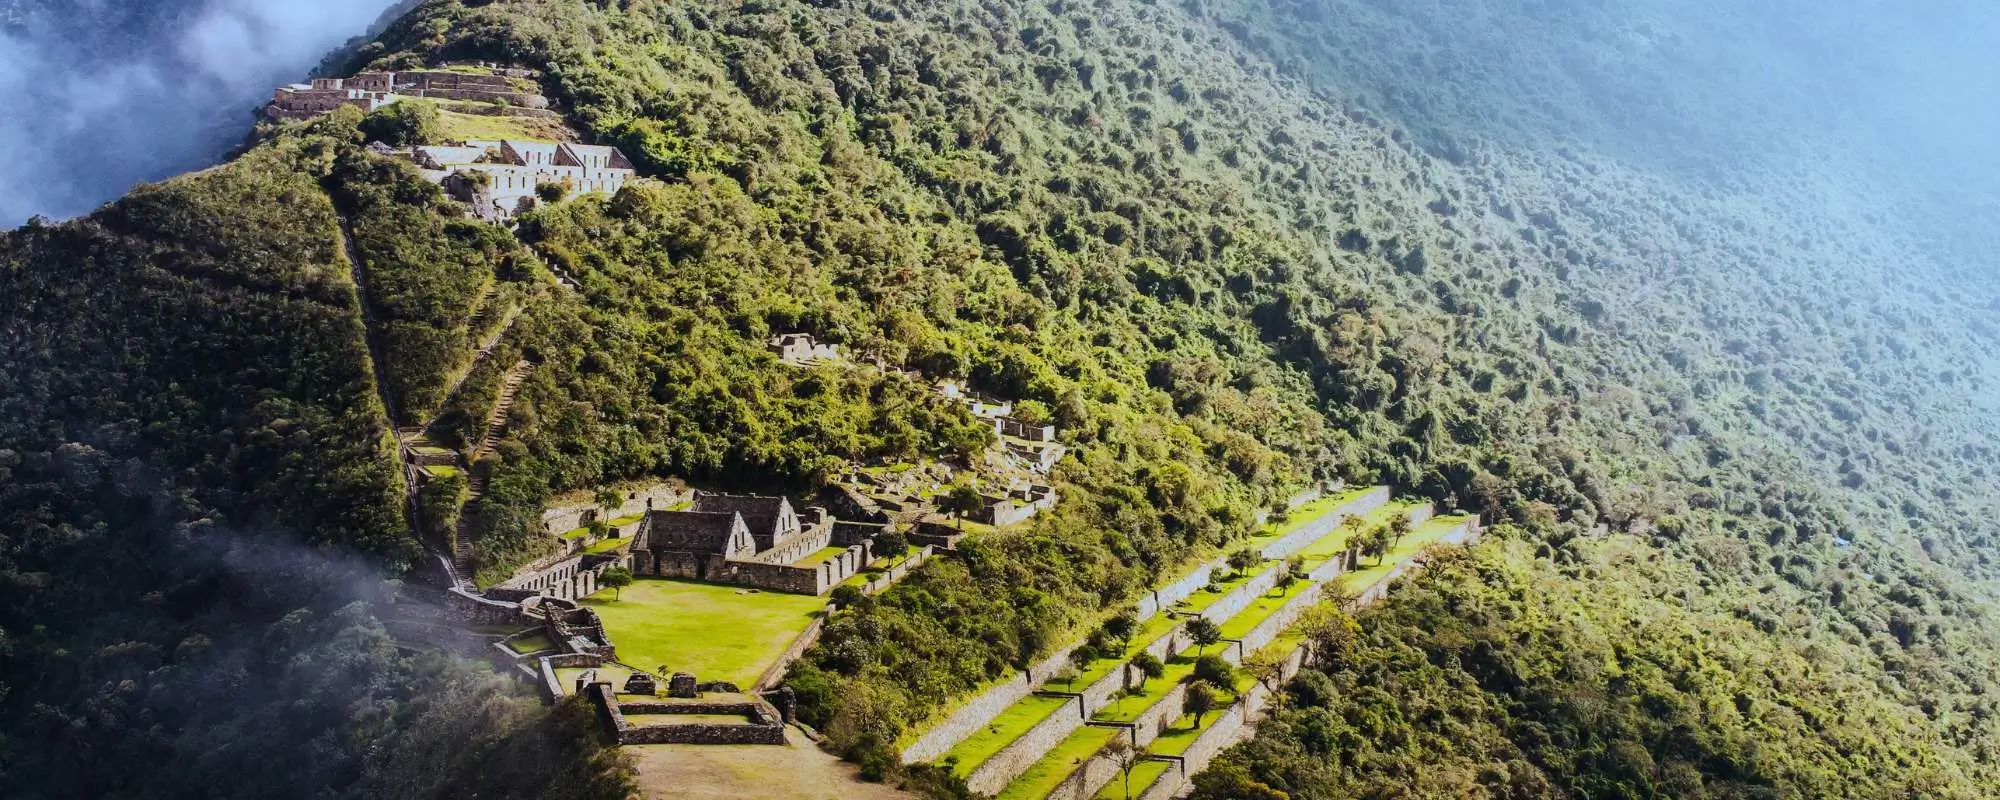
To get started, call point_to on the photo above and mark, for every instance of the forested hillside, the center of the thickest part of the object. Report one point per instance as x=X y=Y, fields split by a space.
x=1731 y=433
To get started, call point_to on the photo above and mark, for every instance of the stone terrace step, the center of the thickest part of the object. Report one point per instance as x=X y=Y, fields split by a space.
x=979 y=712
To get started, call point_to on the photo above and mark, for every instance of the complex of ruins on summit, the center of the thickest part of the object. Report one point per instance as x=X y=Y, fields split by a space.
x=497 y=177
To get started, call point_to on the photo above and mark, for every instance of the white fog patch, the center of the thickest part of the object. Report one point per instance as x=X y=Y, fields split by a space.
x=82 y=121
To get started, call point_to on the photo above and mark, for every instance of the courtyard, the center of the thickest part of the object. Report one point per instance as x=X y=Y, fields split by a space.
x=717 y=633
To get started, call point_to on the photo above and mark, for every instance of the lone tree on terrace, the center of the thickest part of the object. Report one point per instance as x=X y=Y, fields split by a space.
x=1127 y=756
x=1149 y=667
x=1199 y=700
x=1204 y=632
x=1399 y=528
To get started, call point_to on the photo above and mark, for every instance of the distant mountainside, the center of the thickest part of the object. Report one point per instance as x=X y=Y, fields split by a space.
x=1731 y=431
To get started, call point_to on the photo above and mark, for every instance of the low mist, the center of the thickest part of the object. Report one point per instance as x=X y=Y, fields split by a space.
x=103 y=94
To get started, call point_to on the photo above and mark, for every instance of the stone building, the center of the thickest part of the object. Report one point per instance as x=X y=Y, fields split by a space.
x=372 y=90
x=500 y=178
x=751 y=541
x=801 y=349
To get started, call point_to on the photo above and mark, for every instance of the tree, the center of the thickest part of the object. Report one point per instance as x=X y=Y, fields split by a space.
x=1203 y=632
x=963 y=500
x=607 y=499
x=1121 y=627
x=1149 y=667
x=1330 y=634
x=1199 y=699
x=1082 y=656
x=1214 y=670
x=403 y=124
x=1295 y=571
x=890 y=543
x=1399 y=527
x=1127 y=756
x=551 y=192
x=1067 y=675
x=1376 y=544
x=615 y=579
x=845 y=596
x=1267 y=666
x=1244 y=559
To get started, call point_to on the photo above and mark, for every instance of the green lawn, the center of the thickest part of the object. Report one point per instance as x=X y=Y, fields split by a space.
x=1181 y=734
x=1127 y=707
x=716 y=632
x=824 y=555
x=532 y=644
x=607 y=545
x=1058 y=763
x=625 y=520
x=1261 y=609
x=1213 y=593
x=1304 y=515
x=1144 y=775
x=1004 y=729
x=1147 y=633
x=443 y=472
x=458 y=125
x=1423 y=536
x=576 y=533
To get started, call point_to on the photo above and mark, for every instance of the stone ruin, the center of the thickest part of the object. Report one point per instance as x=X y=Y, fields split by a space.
x=500 y=178
x=749 y=540
x=369 y=91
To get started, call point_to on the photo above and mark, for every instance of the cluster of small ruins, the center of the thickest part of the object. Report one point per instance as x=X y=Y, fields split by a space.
x=370 y=91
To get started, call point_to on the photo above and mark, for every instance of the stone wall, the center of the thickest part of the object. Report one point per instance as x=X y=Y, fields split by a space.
x=1242 y=596
x=467 y=607
x=771 y=577
x=897 y=572
x=1166 y=596
x=1327 y=523
x=1268 y=630
x=759 y=727
x=1018 y=755
x=982 y=708
x=1155 y=719
x=1089 y=777
x=775 y=673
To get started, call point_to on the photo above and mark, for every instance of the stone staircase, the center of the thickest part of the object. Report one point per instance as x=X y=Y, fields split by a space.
x=475 y=479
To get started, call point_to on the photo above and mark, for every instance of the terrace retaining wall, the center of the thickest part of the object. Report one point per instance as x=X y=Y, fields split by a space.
x=897 y=572
x=1242 y=596
x=980 y=710
x=1326 y=523
x=1155 y=720
x=1092 y=775
x=1166 y=596
x=993 y=775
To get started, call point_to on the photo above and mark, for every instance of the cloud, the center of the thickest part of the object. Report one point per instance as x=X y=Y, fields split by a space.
x=145 y=91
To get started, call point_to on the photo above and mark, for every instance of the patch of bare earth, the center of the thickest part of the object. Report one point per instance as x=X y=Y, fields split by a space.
x=735 y=772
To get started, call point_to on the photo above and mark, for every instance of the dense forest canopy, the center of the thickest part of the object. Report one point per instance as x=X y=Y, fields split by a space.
x=1733 y=423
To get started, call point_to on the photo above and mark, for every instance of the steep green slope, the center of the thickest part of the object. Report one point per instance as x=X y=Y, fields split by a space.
x=191 y=460
x=1549 y=337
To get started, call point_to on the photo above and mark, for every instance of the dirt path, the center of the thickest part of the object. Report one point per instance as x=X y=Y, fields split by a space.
x=798 y=771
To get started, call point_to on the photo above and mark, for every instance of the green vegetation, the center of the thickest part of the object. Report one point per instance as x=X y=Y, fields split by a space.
x=718 y=633
x=1144 y=774
x=1041 y=778
x=531 y=644
x=1161 y=224
x=1004 y=729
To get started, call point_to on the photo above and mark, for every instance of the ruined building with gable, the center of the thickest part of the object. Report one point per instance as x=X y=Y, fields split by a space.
x=753 y=541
